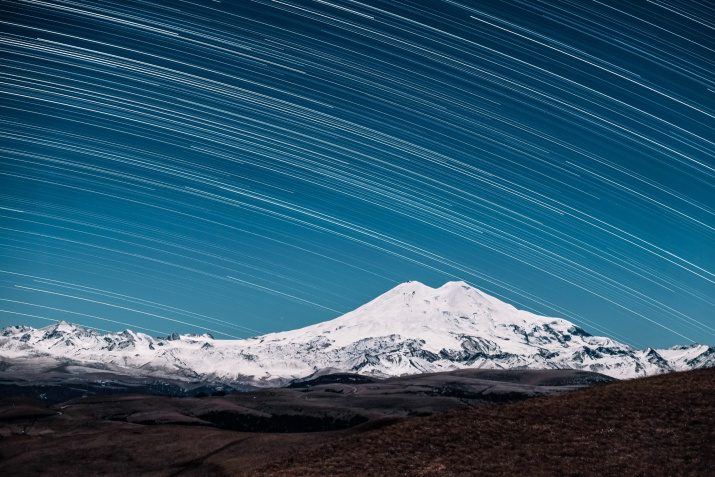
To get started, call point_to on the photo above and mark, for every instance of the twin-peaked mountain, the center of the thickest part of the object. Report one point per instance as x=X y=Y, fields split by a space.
x=410 y=329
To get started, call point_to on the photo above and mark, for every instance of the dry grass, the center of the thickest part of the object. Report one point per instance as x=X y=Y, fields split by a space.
x=656 y=426
x=663 y=425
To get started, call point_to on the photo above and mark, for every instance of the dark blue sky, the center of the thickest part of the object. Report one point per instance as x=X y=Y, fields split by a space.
x=253 y=166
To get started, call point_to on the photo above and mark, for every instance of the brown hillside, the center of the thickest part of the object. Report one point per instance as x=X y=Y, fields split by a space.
x=663 y=425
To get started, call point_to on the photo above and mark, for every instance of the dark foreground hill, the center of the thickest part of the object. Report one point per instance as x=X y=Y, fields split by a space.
x=662 y=425
x=653 y=426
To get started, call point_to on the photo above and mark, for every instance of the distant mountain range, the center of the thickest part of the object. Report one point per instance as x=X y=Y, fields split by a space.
x=410 y=329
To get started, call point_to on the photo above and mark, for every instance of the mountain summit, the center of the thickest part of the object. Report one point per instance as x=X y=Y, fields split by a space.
x=410 y=329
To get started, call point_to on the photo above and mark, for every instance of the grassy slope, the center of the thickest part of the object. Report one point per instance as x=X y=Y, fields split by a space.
x=663 y=425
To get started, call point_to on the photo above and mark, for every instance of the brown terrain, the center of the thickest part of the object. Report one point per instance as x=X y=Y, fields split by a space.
x=480 y=423
x=657 y=426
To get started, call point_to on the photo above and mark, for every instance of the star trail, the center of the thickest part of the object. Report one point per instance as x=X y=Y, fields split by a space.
x=242 y=167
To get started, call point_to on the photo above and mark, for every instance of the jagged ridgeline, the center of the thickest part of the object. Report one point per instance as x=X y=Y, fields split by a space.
x=410 y=329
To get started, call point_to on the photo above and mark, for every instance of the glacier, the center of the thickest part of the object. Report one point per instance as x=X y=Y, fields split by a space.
x=410 y=329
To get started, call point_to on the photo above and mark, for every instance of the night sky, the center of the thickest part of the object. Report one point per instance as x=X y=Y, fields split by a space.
x=242 y=167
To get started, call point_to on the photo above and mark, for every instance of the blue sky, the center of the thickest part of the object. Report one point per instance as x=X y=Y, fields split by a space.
x=248 y=167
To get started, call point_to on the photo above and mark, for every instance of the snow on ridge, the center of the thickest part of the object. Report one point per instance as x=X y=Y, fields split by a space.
x=409 y=329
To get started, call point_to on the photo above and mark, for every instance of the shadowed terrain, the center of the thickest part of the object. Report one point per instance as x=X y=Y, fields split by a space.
x=53 y=382
x=662 y=425
x=241 y=432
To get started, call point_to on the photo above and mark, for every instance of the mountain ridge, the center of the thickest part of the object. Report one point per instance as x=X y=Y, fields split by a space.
x=410 y=329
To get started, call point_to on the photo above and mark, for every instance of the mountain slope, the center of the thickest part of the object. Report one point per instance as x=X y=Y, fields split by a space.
x=410 y=329
x=658 y=426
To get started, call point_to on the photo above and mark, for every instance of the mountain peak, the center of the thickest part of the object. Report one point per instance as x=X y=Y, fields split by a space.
x=412 y=285
x=411 y=328
x=415 y=287
x=61 y=327
x=456 y=284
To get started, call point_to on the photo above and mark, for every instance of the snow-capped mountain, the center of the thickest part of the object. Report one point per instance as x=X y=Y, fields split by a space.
x=410 y=329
